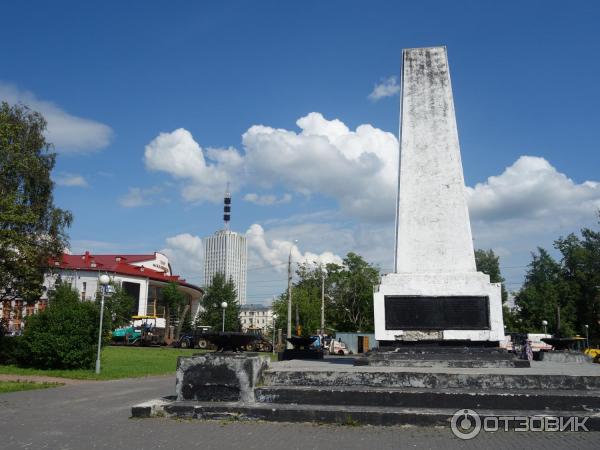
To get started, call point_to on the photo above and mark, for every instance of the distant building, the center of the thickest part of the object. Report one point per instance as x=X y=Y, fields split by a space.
x=226 y=252
x=142 y=276
x=256 y=318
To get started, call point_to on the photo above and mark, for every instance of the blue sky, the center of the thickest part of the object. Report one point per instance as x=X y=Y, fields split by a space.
x=112 y=77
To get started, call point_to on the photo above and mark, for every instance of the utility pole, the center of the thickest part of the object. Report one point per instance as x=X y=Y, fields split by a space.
x=322 y=301
x=289 y=315
x=297 y=319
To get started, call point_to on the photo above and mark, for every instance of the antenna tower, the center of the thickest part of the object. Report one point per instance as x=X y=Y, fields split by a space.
x=227 y=208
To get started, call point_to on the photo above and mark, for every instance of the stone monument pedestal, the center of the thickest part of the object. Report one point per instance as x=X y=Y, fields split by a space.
x=219 y=376
x=461 y=308
x=436 y=293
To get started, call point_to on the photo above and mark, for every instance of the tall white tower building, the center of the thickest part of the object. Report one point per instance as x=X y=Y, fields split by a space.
x=226 y=252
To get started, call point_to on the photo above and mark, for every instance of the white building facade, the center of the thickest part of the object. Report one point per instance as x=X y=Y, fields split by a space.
x=226 y=252
x=256 y=318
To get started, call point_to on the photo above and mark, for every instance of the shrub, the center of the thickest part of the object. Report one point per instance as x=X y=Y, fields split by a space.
x=8 y=349
x=63 y=336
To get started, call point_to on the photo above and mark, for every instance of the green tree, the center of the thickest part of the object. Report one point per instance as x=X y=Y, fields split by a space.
x=118 y=307
x=306 y=300
x=580 y=273
x=348 y=296
x=64 y=335
x=32 y=229
x=176 y=306
x=352 y=294
x=541 y=295
x=220 y=291
x=488 y=262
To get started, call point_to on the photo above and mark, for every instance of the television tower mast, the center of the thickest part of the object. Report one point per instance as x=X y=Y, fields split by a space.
x=227 y=207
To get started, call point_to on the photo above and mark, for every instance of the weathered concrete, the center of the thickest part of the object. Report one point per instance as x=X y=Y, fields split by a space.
x=541 y=375
x=443 y=363
x=219 y=376
x=565 y=357
x=348 y=415
x=96 y=415
x=432 y=398
x=442 y=357
x=434 y=233
x=434 y=246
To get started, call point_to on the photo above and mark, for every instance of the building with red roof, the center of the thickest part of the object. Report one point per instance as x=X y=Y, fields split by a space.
x=142 y=276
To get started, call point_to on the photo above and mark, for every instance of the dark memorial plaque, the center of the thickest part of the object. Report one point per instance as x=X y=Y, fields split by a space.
x=436 y=313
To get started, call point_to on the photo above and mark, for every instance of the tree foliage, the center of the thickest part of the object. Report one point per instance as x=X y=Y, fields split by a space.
x=63 y=336
x=572 y=284
x=220 y=291
x=348 y=296
x=118 y=307
x=488 y=263
x=32 y=229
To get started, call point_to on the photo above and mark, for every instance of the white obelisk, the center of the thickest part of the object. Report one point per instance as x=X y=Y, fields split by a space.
x=436 y=292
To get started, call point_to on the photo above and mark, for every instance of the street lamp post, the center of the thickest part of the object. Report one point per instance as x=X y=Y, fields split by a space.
x=289 y=314
x=545 y=324
x=224 y=307
x=104 y=280
x=274 y=320
x=587 y=336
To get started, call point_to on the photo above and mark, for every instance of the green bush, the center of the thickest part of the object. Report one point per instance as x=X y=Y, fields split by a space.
x=63 y=336
x=8 y=349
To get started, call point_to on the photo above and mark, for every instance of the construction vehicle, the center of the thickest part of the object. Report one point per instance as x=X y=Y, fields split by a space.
x=195 y=339
x=142 y=332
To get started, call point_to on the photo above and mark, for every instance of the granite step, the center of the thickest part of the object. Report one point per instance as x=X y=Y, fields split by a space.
x=511 y=379
x=439 y=363
x=572 y=400
x=335 y=414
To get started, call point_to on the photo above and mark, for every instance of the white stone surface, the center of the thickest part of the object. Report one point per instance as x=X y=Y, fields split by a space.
x=434 y=232
x=434 y=246
x=440 y=285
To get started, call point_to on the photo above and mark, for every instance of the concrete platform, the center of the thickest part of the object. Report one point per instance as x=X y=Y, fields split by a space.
x=569 y=400
x=541 y=375
x=334 y=390
x=442 y=356
x=329 y=414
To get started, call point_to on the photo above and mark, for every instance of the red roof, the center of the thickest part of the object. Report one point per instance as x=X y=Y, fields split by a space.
x=118 y=264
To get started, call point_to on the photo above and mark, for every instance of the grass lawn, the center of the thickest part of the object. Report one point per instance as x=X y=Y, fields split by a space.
x=121 y=362
x=118 y=362
x=14 y=386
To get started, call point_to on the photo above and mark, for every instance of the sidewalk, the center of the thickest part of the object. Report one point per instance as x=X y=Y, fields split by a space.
x=43 y=379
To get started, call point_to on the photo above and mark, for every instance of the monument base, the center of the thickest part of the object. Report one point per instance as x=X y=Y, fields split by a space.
x=454 y=308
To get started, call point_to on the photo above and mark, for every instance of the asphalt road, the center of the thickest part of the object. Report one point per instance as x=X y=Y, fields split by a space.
x=96 y=415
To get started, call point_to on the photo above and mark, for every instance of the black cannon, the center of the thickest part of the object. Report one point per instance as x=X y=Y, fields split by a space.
x=230 y=341
x=302 y=349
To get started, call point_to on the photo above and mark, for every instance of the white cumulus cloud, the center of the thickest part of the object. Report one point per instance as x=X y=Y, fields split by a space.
x=387 y=87
x=356 y=167
x=276 y=252
x=204 y=172
x=68 y=133
x=185 y=253
x=70 y=180
x=267 y=200
x=531 y=189
x=140 y=197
